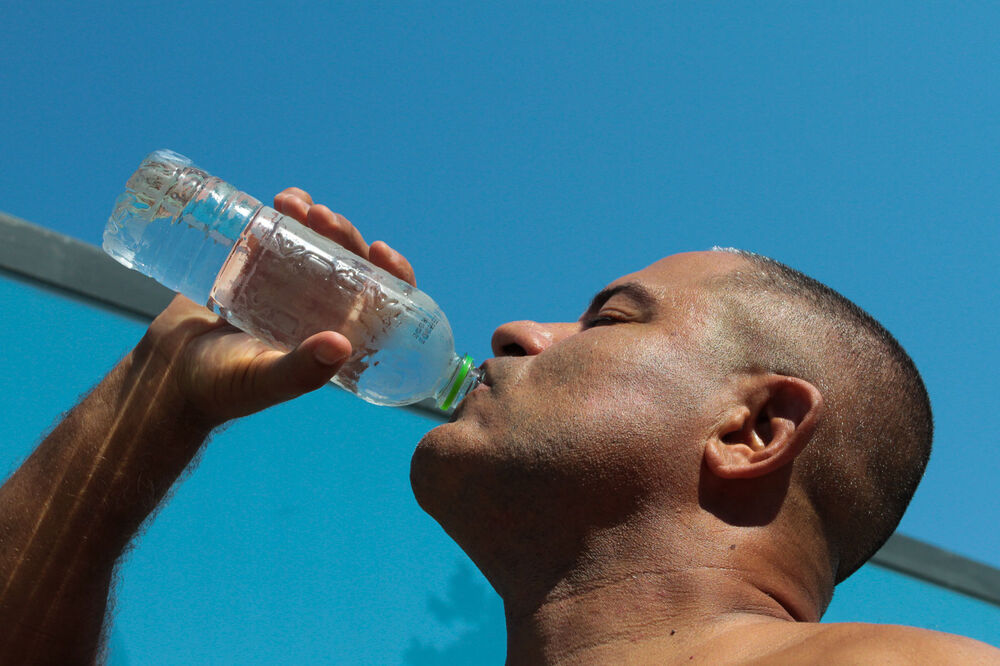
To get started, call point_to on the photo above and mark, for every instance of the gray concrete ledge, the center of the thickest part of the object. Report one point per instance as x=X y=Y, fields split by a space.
x=79 y=269
x=935 y=565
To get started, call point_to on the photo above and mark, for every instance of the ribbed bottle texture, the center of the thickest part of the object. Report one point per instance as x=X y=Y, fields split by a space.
x=176 y=223
x=282 y=282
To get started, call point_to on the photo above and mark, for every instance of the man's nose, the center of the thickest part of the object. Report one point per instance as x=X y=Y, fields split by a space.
x=527 y=338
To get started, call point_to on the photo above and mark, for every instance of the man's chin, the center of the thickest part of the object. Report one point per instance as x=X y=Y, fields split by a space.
x=447 y=454
x=448 y=438
x=434 y=468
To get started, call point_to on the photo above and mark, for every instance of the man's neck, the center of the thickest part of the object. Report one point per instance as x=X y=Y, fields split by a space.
x=658 y=604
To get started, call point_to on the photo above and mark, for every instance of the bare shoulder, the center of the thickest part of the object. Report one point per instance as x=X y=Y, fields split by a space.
x=860 y=643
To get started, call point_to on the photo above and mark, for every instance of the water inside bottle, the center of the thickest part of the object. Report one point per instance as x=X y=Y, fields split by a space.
x=282 y=283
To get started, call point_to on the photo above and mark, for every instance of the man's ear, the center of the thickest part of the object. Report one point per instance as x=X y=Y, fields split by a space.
x=769 y=423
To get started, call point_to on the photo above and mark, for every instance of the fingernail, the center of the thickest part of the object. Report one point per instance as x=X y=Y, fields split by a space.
x=327 y=355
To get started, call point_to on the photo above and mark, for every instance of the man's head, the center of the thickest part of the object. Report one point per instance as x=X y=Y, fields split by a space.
x=870 y=449
x=686 y=387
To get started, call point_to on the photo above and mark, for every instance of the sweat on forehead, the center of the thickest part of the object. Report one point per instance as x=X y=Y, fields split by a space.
x=689 y=269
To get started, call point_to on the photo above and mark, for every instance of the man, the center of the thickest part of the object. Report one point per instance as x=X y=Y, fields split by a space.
x=680 y=476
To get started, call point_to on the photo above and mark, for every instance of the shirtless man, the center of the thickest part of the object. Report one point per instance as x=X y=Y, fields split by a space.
x=681 y=475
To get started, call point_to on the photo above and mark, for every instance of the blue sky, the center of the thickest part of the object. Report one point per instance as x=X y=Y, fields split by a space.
x=524 y=154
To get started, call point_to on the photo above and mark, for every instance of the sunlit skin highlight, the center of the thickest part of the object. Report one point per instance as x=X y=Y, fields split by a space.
x=98 y=460
x=129 y=448
x=75 y=516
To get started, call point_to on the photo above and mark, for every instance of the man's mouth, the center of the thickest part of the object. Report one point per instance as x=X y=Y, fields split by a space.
x=486 y=373
x=486 y=379
x=486 y=382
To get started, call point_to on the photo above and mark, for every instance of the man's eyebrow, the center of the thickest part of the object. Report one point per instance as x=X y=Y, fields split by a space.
x=634 y=290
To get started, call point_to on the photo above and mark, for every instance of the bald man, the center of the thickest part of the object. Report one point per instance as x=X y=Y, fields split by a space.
x=681 y=475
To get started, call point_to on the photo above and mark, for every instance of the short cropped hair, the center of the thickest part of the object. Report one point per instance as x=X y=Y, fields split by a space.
x=872 y=445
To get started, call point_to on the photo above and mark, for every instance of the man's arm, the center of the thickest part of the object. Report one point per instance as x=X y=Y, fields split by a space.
x=69 y=512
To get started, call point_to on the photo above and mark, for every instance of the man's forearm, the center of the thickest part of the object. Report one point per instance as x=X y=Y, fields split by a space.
x=70 y=510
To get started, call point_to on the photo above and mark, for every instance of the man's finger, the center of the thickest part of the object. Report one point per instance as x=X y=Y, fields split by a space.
x=389 y=260
x=337 y=228
x=297 y=192
x=291 y=205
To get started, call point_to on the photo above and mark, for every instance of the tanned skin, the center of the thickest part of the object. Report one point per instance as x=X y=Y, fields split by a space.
x=72 y=509
x=594 y=566
x=632 y=506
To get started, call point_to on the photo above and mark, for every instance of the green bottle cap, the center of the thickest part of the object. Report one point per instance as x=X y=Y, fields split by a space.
x=463 y=372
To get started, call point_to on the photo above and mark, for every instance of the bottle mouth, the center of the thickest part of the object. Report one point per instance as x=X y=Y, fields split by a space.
x=466 y=378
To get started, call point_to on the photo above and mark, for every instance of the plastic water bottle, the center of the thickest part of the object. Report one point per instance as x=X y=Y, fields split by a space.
x=281 y=282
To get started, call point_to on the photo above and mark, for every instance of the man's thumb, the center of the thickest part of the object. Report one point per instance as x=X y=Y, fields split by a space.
x=305 y=368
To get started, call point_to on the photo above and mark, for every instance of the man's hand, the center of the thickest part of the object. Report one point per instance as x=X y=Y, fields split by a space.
x=71 y=509
x=221 y=373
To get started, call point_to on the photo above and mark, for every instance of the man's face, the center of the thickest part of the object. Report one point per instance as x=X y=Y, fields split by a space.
x=589 y=416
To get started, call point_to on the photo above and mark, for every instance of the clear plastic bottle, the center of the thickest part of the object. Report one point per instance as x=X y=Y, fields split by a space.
x=281 y=282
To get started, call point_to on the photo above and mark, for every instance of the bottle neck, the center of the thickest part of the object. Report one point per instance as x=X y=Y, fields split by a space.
x=464 y=378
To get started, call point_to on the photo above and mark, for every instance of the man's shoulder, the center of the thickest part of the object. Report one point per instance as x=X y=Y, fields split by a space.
x=857 y=642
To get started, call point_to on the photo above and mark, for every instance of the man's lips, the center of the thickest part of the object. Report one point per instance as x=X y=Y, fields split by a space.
x=487 y=372
x=486 y=379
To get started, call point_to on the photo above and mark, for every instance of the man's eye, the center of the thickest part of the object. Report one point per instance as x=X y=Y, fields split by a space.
x=603 y=320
